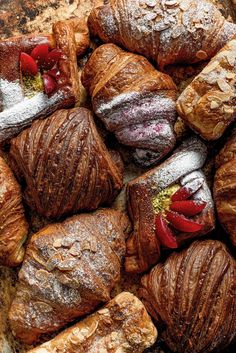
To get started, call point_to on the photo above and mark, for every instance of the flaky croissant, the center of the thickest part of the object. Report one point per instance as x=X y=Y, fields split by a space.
x=225 y=187
x=192 y=296
x=208 y=104
x=167 y=31
x=64 y=164
x=13 y=225
x=122 y=326
x=134 y=101
x=169 y=205
x=69 y=268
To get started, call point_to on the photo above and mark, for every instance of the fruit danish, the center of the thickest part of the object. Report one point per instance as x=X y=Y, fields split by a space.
x=69 y=268
x=169 y=205
x=69 y=168
x=39 y=74
x=123 y=325
x=192 y=297
x=167 y=31
x=225 y=187
x=13 y=225
x=133 y=100
x=208 y=104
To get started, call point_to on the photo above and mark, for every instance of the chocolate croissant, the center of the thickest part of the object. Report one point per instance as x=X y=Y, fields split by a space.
x=64 y=164
x=225 y=187
x=133 y=100
x=26 y=93
x=192 y=296
x=168 y=31
x=13 y=225
x=169 y=205
x=69 y=268
x=208 y=104
x=123 y=325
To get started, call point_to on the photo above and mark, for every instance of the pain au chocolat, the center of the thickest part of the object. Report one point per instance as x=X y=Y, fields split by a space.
x=225 y=187
x=13 y=225
x=64 y=164
x=192 y=297
x=69 y=268
x=122 y=326
x=39 y=74
x=169 y=205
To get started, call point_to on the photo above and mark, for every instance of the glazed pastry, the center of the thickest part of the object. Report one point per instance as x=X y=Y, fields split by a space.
x=13 y=225
x=133 y=100
x=39 y=74
x=167 y=31
x=208 y=104
x=225 y=187
x=192 y=297
x=123 y=325
x=69 y=268
x=69 y=168
x=169 y=205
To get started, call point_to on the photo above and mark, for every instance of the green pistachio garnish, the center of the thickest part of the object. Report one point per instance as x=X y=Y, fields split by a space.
x=162 y=200
x=32 y=84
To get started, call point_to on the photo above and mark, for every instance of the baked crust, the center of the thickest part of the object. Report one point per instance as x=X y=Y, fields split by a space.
x=123 y=325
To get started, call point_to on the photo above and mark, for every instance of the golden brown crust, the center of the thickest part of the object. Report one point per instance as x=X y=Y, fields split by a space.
x=192 y=295
x=135 y=101
x=164 y=31
x=69 y=268
x=225 y=187
x=69 y=168
x=208 y=104
x=123 y=325
x=13 y=225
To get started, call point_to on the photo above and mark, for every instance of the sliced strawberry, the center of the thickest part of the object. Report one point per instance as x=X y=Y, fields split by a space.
x=52 y=58
x=164 y=234
x=40 y=52
x=187 y=191
x=188 y=208
x=182 y=223
x=50 y=84
x=55 y=72
x=28 y=64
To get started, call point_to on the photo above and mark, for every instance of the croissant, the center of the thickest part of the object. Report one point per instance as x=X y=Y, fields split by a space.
x=208 y=104
x=13 y=225
x=192 y=296
x=69 y=268
x=134 y=101
x=64 y=164
x=169 y=205
x=123 y=325
x=225 y=186
x=39 y=74
x=167 y=31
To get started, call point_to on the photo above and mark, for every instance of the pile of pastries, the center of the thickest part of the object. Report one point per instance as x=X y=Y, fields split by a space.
x=55 y=162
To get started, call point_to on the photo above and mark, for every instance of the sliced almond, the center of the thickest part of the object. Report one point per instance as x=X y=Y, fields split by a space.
x=230 y=75
x=57 y=243
x=215 y=104
x=229 y=110
x=223 y=85
x=219 y=129
x=231 y=58
x=211 y=66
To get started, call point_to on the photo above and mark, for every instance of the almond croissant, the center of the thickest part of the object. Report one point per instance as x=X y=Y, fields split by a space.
x=134 y=101
x=64 y=164
x=122 y=326
x=225 y=187
x=208 y=104
x=167 y=31
x=13 y=225
x=192 y=296
x=69 y=268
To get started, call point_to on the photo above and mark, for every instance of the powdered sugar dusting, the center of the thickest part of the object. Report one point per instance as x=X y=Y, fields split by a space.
x=11 y=93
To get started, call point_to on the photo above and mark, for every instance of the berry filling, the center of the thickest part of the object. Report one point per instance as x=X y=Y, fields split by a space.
x=45 y=61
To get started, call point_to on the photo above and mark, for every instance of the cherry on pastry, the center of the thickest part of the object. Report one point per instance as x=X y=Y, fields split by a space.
x=187 y=191
x=50 y=84
x=28 y=64
x=188 y=207
x=165 y=235
x=40 y=52
x=52 y=58
x=182 y=223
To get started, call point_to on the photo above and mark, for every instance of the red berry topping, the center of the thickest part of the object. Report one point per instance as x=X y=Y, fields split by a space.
x=28 y=64
x=52 y=58
x=40 y=52
x=187 y=191
x=164 y=234
x=182 y=223
x=50 y=84
x=188 y=208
